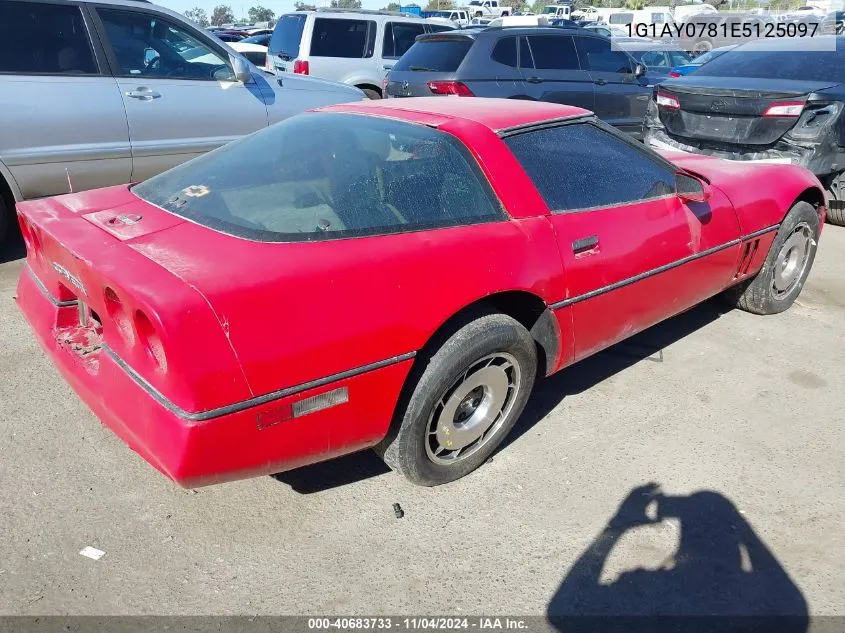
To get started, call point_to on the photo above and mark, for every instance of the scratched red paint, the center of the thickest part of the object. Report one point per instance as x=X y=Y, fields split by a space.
x=224 y=319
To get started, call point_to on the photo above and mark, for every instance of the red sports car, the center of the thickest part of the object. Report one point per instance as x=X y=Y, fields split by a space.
x=390 y=274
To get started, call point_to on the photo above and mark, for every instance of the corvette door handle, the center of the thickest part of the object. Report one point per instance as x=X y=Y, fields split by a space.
x=143 y=94
x=585 y=244
x=600 y=82
x=534 y=80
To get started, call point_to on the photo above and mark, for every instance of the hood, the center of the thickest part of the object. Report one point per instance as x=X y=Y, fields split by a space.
x=317 y=84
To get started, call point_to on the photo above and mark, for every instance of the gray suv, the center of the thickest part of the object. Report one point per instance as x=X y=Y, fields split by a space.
x=107 y=92
x=568 y=66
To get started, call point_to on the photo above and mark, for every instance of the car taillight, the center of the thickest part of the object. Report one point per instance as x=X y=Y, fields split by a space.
x=785 y=108
x=449 y=88
x=674 y=74
x=268 y=63
x=668 y=101
x=384 y=83
x=300 y=67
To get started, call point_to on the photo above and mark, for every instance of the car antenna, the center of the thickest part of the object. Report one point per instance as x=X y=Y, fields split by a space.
x=69 y=183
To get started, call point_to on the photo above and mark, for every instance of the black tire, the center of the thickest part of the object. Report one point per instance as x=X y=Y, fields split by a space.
x=371 y=93
x=760 y=294
x=6 y=218
x=409 y=447
x=836 y=200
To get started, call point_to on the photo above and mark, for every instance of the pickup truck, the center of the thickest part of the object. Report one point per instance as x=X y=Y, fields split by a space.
x=487 y=9
x=558 y=11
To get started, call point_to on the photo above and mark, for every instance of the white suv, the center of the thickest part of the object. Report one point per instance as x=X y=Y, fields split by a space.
x=355 y=47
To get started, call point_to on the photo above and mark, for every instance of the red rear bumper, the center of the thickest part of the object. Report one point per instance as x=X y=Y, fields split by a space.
x=228 y=446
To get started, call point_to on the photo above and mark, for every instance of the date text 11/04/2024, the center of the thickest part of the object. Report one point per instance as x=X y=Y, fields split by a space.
x=734 y=30
x=417 y=623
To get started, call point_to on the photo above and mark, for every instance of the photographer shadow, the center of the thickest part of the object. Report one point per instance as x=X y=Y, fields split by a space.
x=721 y=572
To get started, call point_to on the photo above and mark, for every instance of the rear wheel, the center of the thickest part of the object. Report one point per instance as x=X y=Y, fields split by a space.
x=465 y=401
x=836 y=200
x=702 y=46
x=786 y=268
x=372 y=93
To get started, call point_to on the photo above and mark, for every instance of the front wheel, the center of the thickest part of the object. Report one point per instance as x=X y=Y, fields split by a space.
x=782 y=276
x=836 y=199
x=466 y=399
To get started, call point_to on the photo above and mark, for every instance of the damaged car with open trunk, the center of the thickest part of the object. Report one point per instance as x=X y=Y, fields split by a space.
x=774 y=101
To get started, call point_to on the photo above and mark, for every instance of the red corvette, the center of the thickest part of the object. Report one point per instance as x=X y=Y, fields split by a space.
x=389 y=274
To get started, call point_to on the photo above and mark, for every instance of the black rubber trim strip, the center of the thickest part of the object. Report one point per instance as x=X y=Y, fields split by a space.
x=45 y=292
x=661 y=269
x=542 y=125
x=201 y=416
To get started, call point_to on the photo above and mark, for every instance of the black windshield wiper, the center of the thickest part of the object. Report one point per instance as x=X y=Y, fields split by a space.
x=421 y=69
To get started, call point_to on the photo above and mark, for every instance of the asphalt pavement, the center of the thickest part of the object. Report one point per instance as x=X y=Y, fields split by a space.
x=738 y=418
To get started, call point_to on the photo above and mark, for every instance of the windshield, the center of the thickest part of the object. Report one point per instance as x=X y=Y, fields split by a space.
x=319 y=176
x=549 y=9
x=770 y=64
x=475 y=3
x=709 y=57
x=287 y=35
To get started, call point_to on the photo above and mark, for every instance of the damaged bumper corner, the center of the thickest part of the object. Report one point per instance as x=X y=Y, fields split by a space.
x=822 y=157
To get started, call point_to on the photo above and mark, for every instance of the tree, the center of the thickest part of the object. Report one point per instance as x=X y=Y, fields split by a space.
x=222 y=14
x=515 y=5
x=261 y=14
x=198 y=16
x=301 y=6
x=634 y=5
x=393 y=6
x=346 y=4
x=439 y=5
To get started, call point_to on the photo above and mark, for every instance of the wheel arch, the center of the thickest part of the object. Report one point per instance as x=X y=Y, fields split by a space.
x=8 y=186
x=363 y=85
x=813 y=196
x=525 y=307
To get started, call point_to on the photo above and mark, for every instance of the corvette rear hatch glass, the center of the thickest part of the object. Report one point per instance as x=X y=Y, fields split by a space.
x=725 y=100
x=319 y=176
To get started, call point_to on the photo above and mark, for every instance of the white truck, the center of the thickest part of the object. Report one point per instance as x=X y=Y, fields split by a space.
x=487 y=9
x=558 y=11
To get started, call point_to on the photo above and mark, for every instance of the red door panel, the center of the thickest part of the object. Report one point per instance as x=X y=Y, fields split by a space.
x=650 y=260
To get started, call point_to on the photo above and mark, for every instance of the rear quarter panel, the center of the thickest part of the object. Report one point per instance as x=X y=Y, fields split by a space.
x=299 y=312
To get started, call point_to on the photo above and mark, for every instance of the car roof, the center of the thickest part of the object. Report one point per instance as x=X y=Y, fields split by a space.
x=496 y=114
x=819 y=43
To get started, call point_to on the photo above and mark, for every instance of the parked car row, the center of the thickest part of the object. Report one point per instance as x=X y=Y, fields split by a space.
x=113 y=91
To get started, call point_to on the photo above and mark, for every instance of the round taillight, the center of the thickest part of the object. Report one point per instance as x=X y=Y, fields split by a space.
x=118 y=315
x=149 y=338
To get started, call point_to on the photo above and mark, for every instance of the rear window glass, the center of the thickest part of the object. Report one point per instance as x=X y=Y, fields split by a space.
x=320 y=176
x=44 y=38
x=287 y=36
x=443 y=56
x=341 y=38
x=621 y=18
x=769 y=64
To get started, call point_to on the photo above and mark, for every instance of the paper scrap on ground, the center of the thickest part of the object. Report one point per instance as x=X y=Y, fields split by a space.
x=92 y=552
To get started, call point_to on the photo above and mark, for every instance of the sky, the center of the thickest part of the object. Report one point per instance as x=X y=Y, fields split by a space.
x=241 y=7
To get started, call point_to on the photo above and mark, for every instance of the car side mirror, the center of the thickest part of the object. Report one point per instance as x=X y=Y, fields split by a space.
x=691 y=188
x=241 y=68
x=639 y=70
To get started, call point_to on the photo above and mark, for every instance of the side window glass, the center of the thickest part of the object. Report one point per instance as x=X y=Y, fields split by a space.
x=553 y=52
x=44 y=39
x=505 y=52
x=340 y=38
x=399 y=37
x=654 y=59
x=526 y=59
x=145 y=45
x=582 y=167
x=596 y=54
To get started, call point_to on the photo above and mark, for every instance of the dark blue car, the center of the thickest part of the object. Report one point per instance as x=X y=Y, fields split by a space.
x=698 y=62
